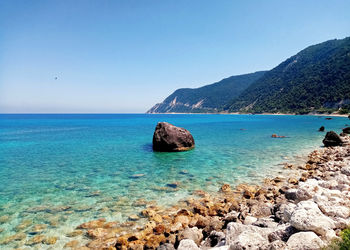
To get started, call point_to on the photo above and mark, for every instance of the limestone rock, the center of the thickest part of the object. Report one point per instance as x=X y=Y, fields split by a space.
x=240 y=236
x=277 y=245
x=346 y=170
x=166 y=246
x=215 y=239
x=287 y=211
x=304 y=241
x=193 y=233
x=187 y=245
x=308 y=217
x=92 y=224
x=248 y=240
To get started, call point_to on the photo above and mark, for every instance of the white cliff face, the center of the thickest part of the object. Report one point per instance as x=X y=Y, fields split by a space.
x=173 y=102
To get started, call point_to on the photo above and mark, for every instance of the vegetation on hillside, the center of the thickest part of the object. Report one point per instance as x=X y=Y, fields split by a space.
x=209 y=98
x=317 y=79
x=343 y=243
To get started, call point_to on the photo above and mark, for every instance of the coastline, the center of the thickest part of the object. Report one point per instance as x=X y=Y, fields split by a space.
x=237 y=113
x=272 y=212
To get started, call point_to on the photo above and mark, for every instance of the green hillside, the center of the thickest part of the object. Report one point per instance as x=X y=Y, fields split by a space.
x=209 y=98
x=316 y=79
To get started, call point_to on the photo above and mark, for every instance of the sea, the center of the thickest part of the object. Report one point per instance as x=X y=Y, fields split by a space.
x=60 y=170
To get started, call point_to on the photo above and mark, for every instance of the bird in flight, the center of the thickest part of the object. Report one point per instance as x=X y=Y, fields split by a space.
x=56 y=77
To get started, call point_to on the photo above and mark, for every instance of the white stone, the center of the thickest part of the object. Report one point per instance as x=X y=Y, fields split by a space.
x=248 y=240
x=308 y=217
x=220 y=248
x=304 y=241
x=252 y=237
x=287 y=210
x=345 y=170
x=333 y=207
x=342 y=179
x=276 y=245
x=193 y=233
x=249 y=220
x=187 y=245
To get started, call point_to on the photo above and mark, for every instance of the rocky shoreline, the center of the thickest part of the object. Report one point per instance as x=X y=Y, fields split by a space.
x=304 y=210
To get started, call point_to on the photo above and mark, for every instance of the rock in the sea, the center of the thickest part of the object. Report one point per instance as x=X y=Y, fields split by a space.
x=305 y=241
x=321 y=129
x=346 y=130
x=332 y=139
x=169 y=138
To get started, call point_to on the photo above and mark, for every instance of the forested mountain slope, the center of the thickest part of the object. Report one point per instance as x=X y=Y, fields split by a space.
x=209 y=98
x=315 y=79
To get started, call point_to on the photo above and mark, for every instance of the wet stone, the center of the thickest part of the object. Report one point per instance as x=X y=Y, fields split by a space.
x=72 y=244
x=35 y=240
x=15 y=237
x=37 y=228
x=75 y=233
x=50 y=240
x=4 y=219
x=140 y=203
x=24 y=224
x=82 y=208
x=134 y=217
x=172 y=185
x=225 y=188
x=94 y=194
x=135 y=176
x=92 y=224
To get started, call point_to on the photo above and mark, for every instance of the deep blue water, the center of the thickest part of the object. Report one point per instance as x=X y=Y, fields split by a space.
x=88 y=162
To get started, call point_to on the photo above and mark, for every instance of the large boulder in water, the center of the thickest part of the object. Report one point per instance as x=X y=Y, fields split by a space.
x=332 y=139
x=169 y=138
x=346 y=130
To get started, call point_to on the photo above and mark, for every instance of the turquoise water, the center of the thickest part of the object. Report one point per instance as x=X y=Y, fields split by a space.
x=62 y=170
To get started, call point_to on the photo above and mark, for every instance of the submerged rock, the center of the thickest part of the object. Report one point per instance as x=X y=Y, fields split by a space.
x=321 y=129
x=332 y=139
x=169 y=138
x=92 y=224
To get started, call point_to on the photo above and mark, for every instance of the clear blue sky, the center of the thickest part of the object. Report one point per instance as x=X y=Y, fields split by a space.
x=124 y=56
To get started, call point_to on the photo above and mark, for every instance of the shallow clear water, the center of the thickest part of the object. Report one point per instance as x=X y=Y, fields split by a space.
x=88 y=163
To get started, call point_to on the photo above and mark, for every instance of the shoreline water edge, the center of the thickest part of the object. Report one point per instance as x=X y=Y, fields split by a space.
x=304 y=205
x=304 y=209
